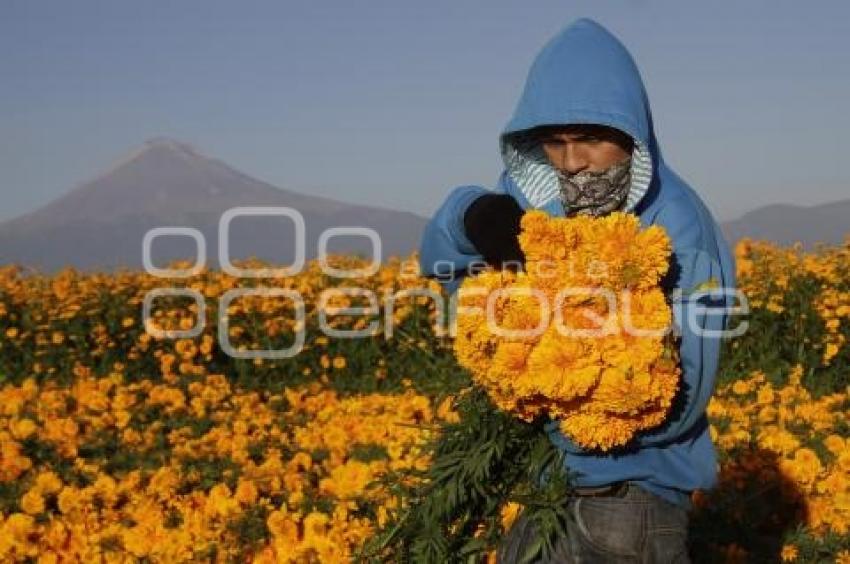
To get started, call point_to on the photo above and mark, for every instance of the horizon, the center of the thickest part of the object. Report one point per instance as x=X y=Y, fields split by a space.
x=134 y=152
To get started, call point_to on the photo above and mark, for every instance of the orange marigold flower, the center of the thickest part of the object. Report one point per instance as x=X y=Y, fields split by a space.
x=581 y=334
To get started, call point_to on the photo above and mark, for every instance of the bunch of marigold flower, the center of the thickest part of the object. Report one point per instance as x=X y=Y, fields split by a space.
x=581 y=334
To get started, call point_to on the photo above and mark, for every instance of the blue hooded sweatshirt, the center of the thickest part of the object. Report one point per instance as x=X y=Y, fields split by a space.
x=584 y=75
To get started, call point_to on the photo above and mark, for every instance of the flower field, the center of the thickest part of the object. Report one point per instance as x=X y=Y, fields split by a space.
x=120 y=446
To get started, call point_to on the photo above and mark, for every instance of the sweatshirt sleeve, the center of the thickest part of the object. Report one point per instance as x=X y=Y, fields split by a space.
x=698 y=317
x=445 y=249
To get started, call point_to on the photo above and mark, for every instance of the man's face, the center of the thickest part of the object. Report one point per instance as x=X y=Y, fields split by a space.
x=574 y=148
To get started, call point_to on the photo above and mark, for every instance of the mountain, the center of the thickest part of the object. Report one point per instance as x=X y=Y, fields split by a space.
x=100 y=225
x=786 y=224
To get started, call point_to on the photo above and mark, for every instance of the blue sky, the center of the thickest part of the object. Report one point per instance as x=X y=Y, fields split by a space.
x=394 y=103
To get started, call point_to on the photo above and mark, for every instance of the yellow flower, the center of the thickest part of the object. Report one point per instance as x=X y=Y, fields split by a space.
x=835 y=444
x=220 y=502
x=606 y=372
x=48 y=482
x=742 y=387
x=446 y=412
x=765 y=395
x=69 y=499
x=246 y=492
x=137 y=541
x=23 y=428
x=348 y=480
x=122 y=418
x=283 y=527
x=804 y=468
x=778 y=440
x=315 y=525
x=789 y=553
x=32 y=502
x=19 y=525
x=509 y=513
x=830 y=351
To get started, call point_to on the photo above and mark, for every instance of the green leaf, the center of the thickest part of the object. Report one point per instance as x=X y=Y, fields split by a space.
x=534 y=548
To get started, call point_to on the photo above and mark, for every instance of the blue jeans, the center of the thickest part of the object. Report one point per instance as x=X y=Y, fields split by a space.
x=637 y=527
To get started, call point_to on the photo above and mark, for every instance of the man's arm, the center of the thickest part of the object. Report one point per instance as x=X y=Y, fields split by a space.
x=445 y=251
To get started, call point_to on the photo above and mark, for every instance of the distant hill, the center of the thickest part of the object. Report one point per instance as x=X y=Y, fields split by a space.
x=785 y=224
x=100 y=225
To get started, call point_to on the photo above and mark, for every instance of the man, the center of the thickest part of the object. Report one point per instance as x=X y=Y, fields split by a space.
x=581 y=141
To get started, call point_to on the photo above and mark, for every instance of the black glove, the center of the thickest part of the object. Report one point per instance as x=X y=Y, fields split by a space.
x=492 y=223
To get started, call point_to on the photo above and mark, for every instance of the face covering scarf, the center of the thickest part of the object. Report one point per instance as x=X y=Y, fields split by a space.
x=595 y=193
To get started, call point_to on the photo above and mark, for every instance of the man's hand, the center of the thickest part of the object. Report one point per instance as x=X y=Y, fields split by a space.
x=492 y=223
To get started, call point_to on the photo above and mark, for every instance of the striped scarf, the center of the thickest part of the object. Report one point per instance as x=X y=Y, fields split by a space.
x=529 y=168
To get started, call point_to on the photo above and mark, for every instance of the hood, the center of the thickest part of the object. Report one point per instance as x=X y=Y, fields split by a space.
x=583 y=75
